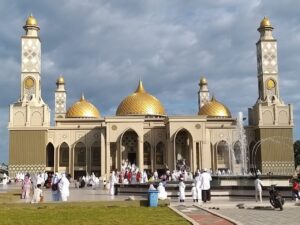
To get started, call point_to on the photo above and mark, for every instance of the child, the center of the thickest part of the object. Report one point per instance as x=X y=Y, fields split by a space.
x=194 y=193
x=37 y=194
x=181 y=190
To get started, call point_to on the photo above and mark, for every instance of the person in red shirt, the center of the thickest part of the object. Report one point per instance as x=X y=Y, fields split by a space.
x=295 y=189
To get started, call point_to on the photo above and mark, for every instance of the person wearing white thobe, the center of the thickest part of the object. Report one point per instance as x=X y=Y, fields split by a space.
x=181 y=191
x=112 y=181
x=63 y=187
x=194 y=193
x=162 y=194
x=258 y=189
x=198 y=185
x=205 y=181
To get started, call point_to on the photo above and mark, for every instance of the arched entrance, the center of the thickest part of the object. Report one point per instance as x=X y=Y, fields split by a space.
x=96 y=158
x=237 y=152
x=183 y=149
x=79 y=160
x=50 y=157
x=64 y=156
x=147 y=155
x=129 y=148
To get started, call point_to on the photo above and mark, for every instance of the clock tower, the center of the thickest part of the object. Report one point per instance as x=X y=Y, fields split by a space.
x=270 y=118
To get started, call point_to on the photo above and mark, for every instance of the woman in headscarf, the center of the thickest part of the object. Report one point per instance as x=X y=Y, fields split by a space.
x=26 y=187
x=162 y=194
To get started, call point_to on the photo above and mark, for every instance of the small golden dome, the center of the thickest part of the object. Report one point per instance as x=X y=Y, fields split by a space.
x=83 y=109
x=140 y=103
x=60 y=80
x=214 y=108
x=265 y=22
x=31 y=21
x=203 y=81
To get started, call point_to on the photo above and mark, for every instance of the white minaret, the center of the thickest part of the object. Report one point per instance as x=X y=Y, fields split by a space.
x=60 y=98
x=267 y=67
x=203 y=93
x=30 y=110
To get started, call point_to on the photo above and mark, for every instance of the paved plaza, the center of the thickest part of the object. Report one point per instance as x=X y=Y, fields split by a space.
x=220 y=211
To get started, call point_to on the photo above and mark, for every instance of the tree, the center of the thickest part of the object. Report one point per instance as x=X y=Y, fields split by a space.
x=297 y=152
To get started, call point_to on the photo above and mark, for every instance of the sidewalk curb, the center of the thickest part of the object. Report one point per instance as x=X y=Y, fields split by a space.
x=219 y=215
x=183 y=215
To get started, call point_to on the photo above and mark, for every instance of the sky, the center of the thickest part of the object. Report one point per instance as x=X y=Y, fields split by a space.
x=103 y=47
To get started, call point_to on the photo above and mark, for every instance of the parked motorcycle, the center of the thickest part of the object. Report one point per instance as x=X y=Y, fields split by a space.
x=276 y=199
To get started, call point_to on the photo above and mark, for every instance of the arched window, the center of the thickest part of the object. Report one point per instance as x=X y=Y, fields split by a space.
x=147 y=153
x=223 y=155
x=237 y=152
x=64 y=154
x=160 y=148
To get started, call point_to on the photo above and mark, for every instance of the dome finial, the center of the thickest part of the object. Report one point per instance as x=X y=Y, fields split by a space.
x=82 y=97
x=265 y=23
x=203 y=81
x=140 y=88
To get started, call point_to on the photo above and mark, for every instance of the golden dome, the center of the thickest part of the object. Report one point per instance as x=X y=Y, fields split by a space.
x=83 y=109
x=60 y=80
x=265 y=22
x=31 y=21
x=214 y=108
x=140 y=103
x=203 y=81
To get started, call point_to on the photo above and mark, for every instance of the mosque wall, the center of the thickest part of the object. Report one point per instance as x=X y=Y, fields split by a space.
x=27 y=150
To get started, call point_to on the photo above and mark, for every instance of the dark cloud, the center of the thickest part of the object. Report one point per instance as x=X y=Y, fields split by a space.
x=103 y=48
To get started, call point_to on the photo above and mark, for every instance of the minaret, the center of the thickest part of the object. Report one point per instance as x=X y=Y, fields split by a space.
x=60 y=98
x=31 y=63
x=267 y=67
x=203 y=93
x=270 y=120
x=29 y=117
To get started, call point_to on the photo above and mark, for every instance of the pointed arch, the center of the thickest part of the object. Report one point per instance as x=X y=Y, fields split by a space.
x=50 y=155
x=64 y=154
x=183 y=145
x=237 y=152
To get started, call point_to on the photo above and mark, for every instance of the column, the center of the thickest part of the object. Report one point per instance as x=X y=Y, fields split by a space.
x=141 y=153
x=107 y=159
x=102 y=152
x=194 y=157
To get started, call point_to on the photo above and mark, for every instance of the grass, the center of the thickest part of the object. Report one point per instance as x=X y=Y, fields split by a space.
x=85 y=213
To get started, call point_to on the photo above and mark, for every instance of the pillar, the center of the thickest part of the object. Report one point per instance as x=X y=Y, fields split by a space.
x=102 y=153
x=141 y=153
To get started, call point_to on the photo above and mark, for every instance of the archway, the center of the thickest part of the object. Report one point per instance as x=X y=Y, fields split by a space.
x=147 y=155
x=237 y=152
x=96 y=158
x=79 y=160
x=159 y=156
x=129 y=146
x=50 y=155
x=183 y=149
x=64 y=155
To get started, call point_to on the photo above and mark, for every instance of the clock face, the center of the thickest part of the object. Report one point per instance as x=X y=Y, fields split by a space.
x=270 y=84
x=29 y=82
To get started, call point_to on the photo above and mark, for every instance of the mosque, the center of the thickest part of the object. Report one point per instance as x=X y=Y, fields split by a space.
x=81 y=141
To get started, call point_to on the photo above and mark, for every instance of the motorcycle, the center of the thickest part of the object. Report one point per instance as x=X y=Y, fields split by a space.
x=276 y=199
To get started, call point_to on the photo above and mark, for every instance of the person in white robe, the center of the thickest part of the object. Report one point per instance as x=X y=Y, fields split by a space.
x=194 y=193
x=198 y=185
x=63 y=187
x=205 y=182
x=37 y=194
x=181 y=190
x=55 y=192
x=112 y=181
x=162 y=194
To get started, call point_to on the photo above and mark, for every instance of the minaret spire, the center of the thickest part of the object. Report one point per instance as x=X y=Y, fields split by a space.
x=203 y=93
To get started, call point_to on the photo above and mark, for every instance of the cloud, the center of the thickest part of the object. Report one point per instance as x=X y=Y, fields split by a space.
x=103 y=47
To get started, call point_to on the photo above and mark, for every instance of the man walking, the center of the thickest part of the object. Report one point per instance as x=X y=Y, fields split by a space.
x=205 y=181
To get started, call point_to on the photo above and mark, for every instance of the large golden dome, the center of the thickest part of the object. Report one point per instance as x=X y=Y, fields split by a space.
x=214 y=108
x=83 y=109
x=31 y=21
x=140 y=103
